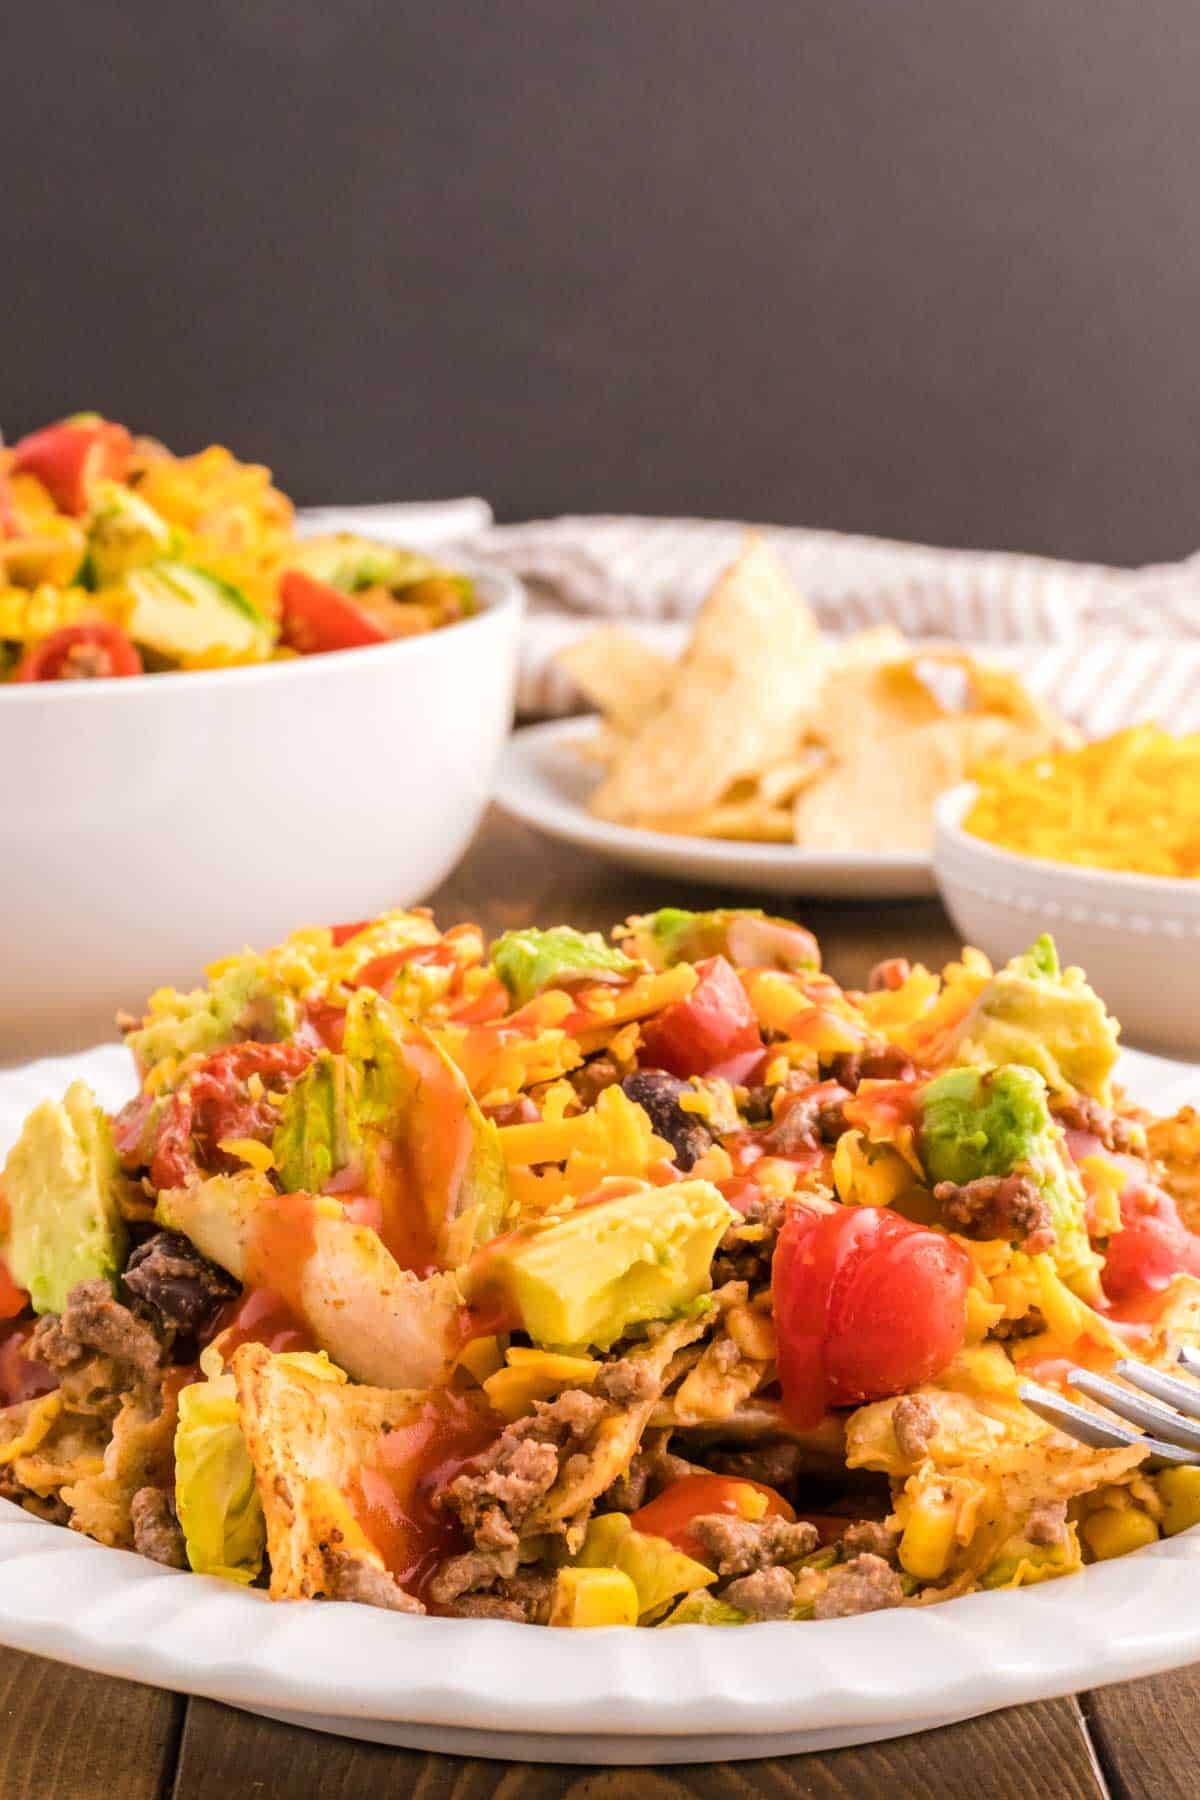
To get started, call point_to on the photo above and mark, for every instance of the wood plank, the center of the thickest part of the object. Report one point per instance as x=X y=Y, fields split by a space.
x=1005 y=1756
x=74 y=1735
x=1144 y=1733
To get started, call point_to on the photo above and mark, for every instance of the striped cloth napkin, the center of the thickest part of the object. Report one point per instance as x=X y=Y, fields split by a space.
x=652 y=574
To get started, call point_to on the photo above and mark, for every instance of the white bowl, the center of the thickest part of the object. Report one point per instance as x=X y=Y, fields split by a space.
x=148 y=826
x=1136 y=935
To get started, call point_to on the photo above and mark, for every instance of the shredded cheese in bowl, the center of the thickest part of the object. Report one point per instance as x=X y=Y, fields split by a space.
x=1129 y=802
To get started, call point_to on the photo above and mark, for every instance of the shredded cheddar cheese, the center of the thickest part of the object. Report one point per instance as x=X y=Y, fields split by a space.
x=1129 y=802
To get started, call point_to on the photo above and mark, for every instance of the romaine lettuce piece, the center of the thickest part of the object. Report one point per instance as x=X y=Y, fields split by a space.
x=318 y=1133
x=528 y=962
x=216 y=1497
x=657 y=1570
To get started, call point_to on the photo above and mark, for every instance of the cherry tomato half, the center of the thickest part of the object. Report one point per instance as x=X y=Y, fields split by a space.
x=1151 y=1249
x=71 y=457
x=714 y=1025
x=317 y=617
x=669 y=1515
x=80 y=653
x=867 y=1304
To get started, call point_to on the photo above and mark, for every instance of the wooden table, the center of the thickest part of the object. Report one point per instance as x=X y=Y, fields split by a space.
x=65 y=1734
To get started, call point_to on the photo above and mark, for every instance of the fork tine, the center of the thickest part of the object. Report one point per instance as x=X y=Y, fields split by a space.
x=1184 y=1396
x=1099 y=1433
x=1150 y=1415
x=1190 y=1359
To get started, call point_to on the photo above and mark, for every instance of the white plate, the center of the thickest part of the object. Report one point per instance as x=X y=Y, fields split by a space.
x=544 y=781
x=488 y=1688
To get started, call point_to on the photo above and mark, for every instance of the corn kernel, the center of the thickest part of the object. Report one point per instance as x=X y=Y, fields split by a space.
x=1179 y=1491
x=928 y=1536
x=1115 y=1531
x=584 y=1597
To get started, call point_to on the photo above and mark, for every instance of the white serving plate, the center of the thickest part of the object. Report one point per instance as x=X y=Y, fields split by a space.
x=544 y=781
x=488 y=1688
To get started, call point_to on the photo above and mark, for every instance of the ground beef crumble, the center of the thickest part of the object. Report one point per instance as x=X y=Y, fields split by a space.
x=1078 y=1112
x=871 y=1537
x=156 y=1530
x=864 y=1584
x=94 y=1322
x=914 y=1423
x=734 y=1546
x=999 y=1206
x=767 y=1594
x=495 y=1497
x=350 y=1579
x=777 y=1465
x=1047 y=1523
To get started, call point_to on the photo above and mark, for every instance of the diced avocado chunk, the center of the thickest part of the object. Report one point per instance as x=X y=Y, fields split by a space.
x=585 y=1277
x=197 y=1023
x=977 y=1122
x=124 y=533
x=318 y=1132
x=1048 y=1018
x=352 y=563
x=528 y=962
x=179 y=611
x=60 y=1188
x=974 y=1123
x=747 y=936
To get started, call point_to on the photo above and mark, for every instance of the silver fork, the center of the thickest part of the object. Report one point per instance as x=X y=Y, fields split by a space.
x=1154 y=1410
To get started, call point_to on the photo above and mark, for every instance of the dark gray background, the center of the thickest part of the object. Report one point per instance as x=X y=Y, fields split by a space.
x=923 y=267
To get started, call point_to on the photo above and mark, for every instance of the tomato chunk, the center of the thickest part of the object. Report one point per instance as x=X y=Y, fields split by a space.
x=867 y=1304
x=713 y=1025
x=71 y=457
x=317 y=617
x=80 y=653
x=670 y=1514
x=1153 y=1246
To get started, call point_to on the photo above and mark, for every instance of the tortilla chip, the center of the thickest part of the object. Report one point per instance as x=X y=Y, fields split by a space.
x=620 y=674
x=740 y=700
x=894 y=746
x=311 y=1437
x=585 y=1476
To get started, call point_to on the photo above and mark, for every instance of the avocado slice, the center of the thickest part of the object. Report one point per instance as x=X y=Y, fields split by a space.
x=61 y=1183
x=1048 y=1018
x=528 y=962
x=583 y=1278
x=179 y=611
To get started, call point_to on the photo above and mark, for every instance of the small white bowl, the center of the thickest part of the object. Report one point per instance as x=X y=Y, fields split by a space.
x=150 y=825
x=1137 y=936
